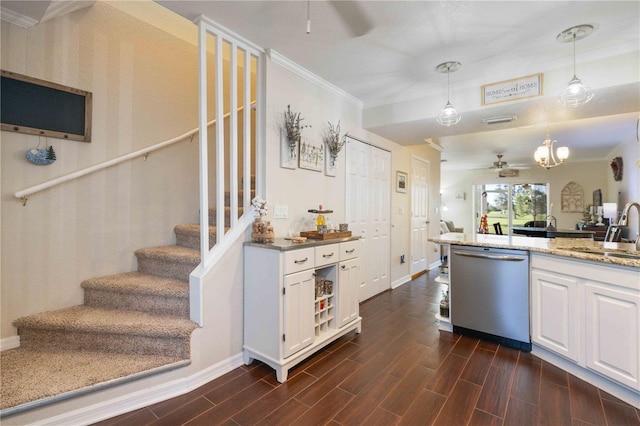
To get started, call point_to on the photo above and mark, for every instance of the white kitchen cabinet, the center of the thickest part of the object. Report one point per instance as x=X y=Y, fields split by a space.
x=555 y=312
x=589 y=313
x=612 y=318
x=285 y=321
x=348 y=307
x=297 y=307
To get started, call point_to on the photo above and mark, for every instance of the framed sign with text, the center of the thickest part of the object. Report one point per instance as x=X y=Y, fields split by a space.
x=512 y=90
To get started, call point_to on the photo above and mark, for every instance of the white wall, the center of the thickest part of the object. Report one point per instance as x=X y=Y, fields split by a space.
x=144 y=91
x=627 y=189
x=302 y=189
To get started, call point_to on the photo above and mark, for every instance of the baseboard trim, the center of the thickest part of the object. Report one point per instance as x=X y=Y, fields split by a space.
x=619 y=391
x=400 y=281
x=9 y=343
x=136 y=400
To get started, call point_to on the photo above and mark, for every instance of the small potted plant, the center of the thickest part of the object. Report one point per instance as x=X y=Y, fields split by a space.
x=293 y=127
x=334 y=141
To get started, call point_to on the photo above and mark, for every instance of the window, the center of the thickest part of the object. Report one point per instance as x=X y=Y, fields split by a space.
x=522 y=204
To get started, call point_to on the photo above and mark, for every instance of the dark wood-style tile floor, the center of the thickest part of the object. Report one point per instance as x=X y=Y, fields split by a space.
x=400 y=370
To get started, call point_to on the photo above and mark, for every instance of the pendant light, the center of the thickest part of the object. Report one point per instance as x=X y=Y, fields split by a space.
x=576 y=93
x=545 y=157
x=449 y=116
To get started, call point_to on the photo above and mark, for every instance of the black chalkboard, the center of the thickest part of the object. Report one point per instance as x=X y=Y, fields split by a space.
x=30 y=105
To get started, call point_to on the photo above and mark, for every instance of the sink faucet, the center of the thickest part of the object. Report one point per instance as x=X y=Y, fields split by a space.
x=624 y=219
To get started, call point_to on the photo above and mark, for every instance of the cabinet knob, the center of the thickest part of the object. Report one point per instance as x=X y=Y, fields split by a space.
x=344 y=266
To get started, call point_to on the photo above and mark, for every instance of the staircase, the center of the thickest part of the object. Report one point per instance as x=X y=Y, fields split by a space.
x=131 y=325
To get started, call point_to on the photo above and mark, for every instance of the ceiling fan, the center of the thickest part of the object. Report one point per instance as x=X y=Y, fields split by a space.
x=352 y=15
x=503 y=165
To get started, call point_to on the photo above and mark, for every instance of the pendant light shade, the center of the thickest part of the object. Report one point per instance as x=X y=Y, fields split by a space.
x=449 y=116
x=576 y=93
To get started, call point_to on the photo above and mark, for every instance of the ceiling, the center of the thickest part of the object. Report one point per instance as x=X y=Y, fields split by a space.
x=385 y=53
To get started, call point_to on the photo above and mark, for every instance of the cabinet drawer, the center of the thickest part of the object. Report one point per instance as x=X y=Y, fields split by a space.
x=349 y=250
x=327 y=254
x=298 y=260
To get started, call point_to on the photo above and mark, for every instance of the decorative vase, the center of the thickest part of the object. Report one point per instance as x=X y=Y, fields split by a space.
x=262 y=231
x=293 y=144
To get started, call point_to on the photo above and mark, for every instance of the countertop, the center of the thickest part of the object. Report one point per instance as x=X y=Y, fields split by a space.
x=555 y=246
x=282 y=244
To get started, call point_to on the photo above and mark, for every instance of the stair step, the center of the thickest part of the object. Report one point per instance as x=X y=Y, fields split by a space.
x=168 y=261
x=188 y=235
x=135 y=291
x=227 y=197
x=213 y=220
x=70 y=373
x=110 y=330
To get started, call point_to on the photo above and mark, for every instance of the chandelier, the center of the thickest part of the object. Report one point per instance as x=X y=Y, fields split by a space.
x=576 y=93
x=545 y=157
x=449 y=116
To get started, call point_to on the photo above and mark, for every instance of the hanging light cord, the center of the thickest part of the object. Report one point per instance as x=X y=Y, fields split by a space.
x=309 y=17
x=574 y=53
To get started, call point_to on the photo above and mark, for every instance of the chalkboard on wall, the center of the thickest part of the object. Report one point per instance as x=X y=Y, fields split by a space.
x=39 y=107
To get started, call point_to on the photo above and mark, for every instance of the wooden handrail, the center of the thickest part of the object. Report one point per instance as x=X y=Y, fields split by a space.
x=24 y=194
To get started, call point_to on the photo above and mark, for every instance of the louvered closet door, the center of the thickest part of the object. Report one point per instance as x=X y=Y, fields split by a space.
x=368 y=209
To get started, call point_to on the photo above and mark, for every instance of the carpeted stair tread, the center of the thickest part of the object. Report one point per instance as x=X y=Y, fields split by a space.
x=89 y=319
x=33 y=378
x=213 y=220
x=188 y=235
x=137 y=283
x=175 y=253
x=168 y=261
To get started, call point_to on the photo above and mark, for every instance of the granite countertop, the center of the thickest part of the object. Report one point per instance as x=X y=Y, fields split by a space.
x=282 y=244
x=557 y=246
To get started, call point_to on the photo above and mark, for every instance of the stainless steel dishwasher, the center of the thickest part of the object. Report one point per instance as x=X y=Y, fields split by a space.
x=489 y=294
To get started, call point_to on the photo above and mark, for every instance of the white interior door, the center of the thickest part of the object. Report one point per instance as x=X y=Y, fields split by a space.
x=419 y=185
x=367 y=210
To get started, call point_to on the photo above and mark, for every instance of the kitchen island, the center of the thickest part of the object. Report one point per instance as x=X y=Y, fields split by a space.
x=584 y=306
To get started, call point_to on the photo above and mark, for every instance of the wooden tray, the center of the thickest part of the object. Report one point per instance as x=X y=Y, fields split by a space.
x=315 y=235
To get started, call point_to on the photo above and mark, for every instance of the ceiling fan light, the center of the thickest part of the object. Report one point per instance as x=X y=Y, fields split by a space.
x=575 y=94
x=449 y=116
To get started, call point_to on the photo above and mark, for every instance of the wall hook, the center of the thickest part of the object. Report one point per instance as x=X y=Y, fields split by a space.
x=24 y=200
x=145 y=155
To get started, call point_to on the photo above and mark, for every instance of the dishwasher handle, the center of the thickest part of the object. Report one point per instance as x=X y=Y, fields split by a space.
x=489 y=256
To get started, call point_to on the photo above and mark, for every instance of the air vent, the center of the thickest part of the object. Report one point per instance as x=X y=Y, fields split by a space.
x=500 y=119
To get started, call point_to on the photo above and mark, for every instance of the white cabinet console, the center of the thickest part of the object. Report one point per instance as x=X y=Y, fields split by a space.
x=287 y=318
x=588 y=313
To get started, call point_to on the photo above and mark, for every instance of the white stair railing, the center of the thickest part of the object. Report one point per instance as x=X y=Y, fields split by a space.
x=24 y=194
x=227 y=47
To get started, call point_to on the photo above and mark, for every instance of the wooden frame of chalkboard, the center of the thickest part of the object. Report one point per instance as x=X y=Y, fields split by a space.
x=39 y=107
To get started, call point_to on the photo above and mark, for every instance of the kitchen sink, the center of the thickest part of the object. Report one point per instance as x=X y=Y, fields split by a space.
x=624 y=254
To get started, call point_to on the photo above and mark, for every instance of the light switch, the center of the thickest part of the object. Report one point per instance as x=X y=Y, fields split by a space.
x=280 y=212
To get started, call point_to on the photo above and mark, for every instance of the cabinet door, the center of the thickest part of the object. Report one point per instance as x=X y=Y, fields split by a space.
x=348 y=285
x=297 y=312
x=612 y=316
x=554 y=313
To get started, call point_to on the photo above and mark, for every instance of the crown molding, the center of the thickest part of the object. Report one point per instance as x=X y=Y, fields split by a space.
x=289 y=65
x=16 y=18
